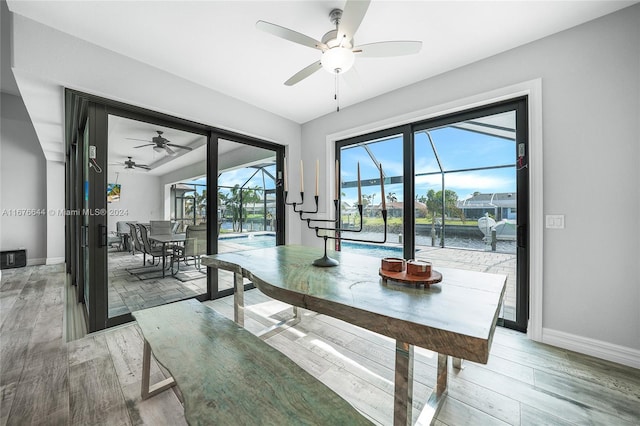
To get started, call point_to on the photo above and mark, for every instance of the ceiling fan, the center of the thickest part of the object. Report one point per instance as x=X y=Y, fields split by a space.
x=161 y=144
x=337 y=46
x=130 y=164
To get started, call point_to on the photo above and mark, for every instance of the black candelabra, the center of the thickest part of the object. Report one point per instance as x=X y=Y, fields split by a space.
x=326 y=225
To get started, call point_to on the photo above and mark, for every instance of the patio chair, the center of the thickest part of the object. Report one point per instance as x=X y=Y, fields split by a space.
x=158 y=227
x=122 y=230
x=154 y=252
x=134 y=236
x=195 y=245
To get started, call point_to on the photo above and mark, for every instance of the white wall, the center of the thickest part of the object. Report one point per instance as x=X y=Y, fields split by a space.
x=44 y=56
x=55 y=203
x=140 y=198
x=22 y=182
x=591 y=112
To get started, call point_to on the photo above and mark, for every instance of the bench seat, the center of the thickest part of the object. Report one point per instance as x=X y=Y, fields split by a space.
x=229 y=376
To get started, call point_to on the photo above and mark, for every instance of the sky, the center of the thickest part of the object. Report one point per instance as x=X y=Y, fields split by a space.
x=457 y=149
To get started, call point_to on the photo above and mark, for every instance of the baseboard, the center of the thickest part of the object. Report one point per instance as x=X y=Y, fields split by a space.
x=36 y=261
x=597 y=348
x=54 y=260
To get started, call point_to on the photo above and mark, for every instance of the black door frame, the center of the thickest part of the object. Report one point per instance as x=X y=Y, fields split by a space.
x=520 y=106
x=81 y=107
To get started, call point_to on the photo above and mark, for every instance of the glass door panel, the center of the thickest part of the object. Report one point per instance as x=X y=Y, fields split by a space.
x=153 y=250
x=368 y=156
x=246 y=201
x=465 y=176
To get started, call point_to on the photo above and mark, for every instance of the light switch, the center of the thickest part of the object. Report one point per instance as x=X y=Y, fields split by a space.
x=554 y=221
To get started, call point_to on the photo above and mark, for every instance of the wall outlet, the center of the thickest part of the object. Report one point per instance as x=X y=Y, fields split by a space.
x=554 y=221
x=92 y=152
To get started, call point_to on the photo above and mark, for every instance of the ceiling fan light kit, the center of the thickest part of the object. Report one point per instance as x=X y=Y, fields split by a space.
x=337 y=60
x=337 y=46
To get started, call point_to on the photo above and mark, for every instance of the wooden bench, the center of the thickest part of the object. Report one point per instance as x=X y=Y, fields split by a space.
x=229 y=376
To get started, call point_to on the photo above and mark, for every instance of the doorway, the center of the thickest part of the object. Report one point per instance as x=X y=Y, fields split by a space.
x=456 y=194
x=128 y=169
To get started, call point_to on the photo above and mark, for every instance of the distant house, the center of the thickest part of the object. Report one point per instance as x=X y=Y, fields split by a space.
x=499 y=205
x=395 y=208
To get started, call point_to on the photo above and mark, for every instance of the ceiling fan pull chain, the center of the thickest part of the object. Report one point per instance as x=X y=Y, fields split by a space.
x=337 y=89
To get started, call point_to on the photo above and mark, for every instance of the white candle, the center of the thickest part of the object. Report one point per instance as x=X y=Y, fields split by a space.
x=384 y=203
x=285 y=174
x=317 y=174
x=359 y=189
x=301 y=177
x=337 y=179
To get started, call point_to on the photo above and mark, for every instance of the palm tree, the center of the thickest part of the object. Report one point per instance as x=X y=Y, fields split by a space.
x=236 y=200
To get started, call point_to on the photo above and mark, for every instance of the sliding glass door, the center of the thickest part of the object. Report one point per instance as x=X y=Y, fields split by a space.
x=456 y=192
x=144 y=205
x=249 y=211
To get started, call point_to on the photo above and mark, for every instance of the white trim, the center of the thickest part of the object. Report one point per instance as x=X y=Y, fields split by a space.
x=532 y=89
x=585 y=345
x=54 y=260
x=36 y=261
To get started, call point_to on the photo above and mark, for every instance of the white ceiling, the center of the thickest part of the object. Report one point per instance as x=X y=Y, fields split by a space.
x=126 y=134
x=216 y=44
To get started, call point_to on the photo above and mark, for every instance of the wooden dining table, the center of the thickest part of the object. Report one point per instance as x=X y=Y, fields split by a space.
x=456 y=317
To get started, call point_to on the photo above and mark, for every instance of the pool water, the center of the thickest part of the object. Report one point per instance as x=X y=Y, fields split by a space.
x=371 y=249
x=252 y=240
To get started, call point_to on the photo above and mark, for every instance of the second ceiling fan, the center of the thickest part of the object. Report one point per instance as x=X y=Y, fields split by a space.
x=337 y=46
x=161 y=144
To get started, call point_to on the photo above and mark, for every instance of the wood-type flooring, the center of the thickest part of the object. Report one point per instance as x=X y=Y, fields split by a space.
x=96 y=380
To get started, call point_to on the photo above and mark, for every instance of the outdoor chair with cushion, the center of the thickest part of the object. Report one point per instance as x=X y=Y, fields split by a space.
x=195 y=245
x=122 y=230
x=159 y=227
x=148 y=249
x=134 y=235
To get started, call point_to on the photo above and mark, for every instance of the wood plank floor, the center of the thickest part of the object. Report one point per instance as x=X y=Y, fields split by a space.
x=96 y=379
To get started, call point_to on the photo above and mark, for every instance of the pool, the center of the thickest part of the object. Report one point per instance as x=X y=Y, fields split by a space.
x=253 y=240
x=371 y=249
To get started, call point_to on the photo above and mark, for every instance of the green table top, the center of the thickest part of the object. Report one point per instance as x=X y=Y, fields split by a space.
x=456 y=317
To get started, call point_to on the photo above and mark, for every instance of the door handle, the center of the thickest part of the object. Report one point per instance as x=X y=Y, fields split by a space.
x=84 y=240
x=102 y=235
x=522 y=236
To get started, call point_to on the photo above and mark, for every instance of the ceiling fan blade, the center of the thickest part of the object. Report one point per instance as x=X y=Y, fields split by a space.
x=140 y=146
x=290 y=35
x=388 y=48
x=352 y=15
x=135 y=139
x=179 y=146
x=169 y=150
x=142 y=166
x=303 y=73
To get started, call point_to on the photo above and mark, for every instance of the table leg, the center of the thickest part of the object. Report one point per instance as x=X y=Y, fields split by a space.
x=457 y=363
x=238 y=299
x=403 y=399
x=434 y=404
x=147 y=390
x=164 y=247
